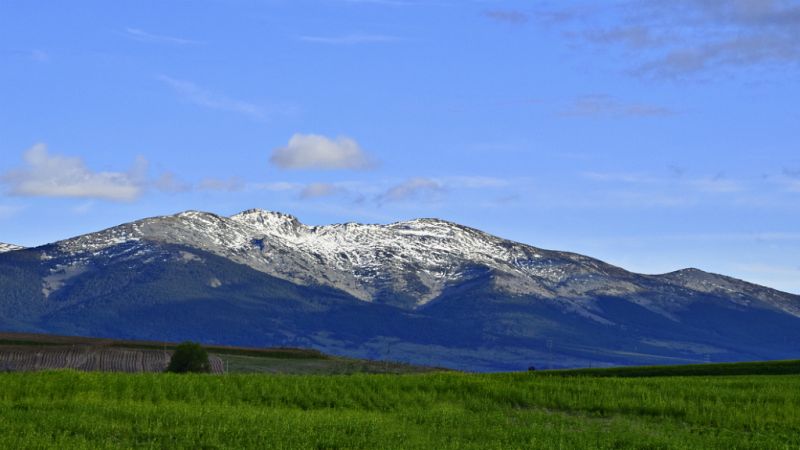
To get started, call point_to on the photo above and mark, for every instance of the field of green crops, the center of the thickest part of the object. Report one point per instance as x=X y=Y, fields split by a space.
x=66 y=409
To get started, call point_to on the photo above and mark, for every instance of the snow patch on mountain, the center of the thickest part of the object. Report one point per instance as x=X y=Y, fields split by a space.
x=9 y=247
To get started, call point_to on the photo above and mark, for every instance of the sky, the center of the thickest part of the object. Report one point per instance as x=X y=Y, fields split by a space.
x=654 y=135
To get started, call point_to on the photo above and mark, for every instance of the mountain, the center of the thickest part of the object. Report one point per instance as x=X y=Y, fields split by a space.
x=9 y=247
x=424 y=291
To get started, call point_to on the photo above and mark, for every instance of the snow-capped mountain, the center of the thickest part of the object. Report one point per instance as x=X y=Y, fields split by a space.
x=425 y=290
x=410 y=262
x=419 y=257
x=9 y=247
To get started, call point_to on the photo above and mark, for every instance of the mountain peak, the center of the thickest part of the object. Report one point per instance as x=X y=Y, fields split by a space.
x=688 y=271
x=195 y=214
x=426 y=221
x=265 y=219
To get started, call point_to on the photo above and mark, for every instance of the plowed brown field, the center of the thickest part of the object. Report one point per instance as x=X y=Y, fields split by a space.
x=89 y=358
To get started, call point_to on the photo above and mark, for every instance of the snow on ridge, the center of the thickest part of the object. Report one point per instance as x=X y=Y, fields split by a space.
x=358 y=258
x=418 y=258
x=9 y=247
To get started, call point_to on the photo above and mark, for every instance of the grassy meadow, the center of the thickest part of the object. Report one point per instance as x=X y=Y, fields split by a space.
x=68 y=409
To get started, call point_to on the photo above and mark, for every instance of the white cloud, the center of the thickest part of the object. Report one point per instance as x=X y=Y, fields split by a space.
x=144 y=36
x=46 y=175
x=203 y=97
x=412 y=188
x=311 y=151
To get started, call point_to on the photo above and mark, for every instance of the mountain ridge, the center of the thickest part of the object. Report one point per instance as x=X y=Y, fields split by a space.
x=353 y=257
x=425 y=291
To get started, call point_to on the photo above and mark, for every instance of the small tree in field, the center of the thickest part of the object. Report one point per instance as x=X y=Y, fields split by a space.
x=189 y=357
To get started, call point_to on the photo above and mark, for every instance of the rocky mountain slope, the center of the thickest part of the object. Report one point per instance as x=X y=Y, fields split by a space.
x=425 y=291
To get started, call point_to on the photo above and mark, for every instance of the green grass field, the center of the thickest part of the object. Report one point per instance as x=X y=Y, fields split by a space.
x=66 y=409
x=329 y=365
x=791 y=367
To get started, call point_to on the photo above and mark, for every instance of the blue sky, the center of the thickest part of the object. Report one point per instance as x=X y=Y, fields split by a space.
x=654 y=135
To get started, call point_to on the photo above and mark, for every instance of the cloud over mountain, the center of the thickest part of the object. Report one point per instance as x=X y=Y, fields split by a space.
x=312 y=151
x=49 y=175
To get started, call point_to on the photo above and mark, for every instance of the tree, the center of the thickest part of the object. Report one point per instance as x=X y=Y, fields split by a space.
x=189 y=357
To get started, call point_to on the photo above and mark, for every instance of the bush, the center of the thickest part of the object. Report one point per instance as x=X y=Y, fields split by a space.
x=189 y=357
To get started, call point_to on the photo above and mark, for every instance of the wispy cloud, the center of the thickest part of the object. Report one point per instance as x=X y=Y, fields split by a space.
x=511 y=16
x=608 y=106
x=319 y=190
x=473 y=182
x=312 y=151
x=621 y=177
x=39 y=55
x=687 y=38
x=208 y=99
x=636 y=37
x=143 y=36
x=790 y=179
x=785 y=277
x=232 y=184
x=351 y=39
x=275 y=186
x=716 y=184
x=789 y=183
x=170 y=183
x=84 y=207
x=411 y=189
x=36 y=55
x=382 y=2
x=761 y=236
x=7 y=211
x=771 y=269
